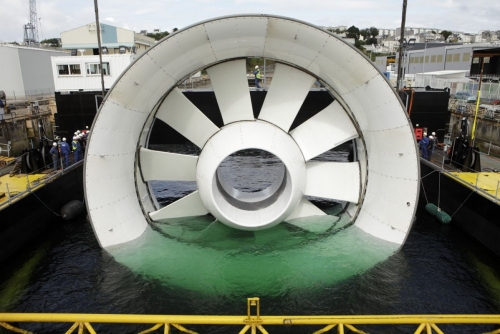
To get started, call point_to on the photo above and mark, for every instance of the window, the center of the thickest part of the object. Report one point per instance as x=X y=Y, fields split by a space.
x=449 y=58
x=421 y=59
x=63 y=69
x=426 y=59
x=440 y=59
x=95 y=68
x=466 y=57
x=456 y=57
x=475 y=60
x=433 y=59
x=69 y=69
x=75 y=69
x=486 y=60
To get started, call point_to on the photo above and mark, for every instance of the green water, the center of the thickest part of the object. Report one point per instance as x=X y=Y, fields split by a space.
x=208 y=257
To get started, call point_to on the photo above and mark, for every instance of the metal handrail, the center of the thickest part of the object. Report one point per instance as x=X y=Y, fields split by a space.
x=9 y=146
x=253 y=321
x=30 y=186
x=476 y=187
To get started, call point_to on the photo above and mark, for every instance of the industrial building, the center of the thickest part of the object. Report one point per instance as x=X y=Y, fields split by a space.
x=433 y=57
x=114 y=40
x=80 y=70
x=28 y=73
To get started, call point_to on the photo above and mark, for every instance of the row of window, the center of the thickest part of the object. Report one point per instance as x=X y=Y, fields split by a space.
x=450 y=58
x=92 y=69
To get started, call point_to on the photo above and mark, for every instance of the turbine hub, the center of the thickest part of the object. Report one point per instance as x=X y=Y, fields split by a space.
x=255 y=210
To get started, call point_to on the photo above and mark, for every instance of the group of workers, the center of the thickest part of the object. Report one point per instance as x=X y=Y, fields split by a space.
x=63 y=149
x=428 y=145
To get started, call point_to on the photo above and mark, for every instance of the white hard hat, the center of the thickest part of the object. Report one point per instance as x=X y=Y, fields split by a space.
x=64 y=139
x=54 y=144
x=433 y=133
x=430 y=137
x=425 y=134
x=75 y=137
x=256 y=66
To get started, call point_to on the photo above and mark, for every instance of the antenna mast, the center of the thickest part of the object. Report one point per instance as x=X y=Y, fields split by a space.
x=30 y=29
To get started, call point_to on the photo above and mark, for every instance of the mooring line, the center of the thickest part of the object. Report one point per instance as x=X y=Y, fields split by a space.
x=45 y=204
x=462 y=203
x=423 y=188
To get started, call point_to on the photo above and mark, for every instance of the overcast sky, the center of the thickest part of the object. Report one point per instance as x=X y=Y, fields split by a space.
x=56 y=16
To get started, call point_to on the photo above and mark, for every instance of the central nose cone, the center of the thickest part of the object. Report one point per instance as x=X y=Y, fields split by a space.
x=261 y=209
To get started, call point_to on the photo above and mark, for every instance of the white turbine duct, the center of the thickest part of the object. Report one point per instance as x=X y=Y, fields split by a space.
x=381 y=185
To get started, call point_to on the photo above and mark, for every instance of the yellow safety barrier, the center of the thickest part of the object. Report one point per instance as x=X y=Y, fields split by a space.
x=251 y=322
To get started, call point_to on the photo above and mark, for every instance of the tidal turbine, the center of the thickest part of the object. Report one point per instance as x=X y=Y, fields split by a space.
x=381 y=185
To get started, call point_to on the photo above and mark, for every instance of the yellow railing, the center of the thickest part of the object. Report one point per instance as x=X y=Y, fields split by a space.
x=252 y=322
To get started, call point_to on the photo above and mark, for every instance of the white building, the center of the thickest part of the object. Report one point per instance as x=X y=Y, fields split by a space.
x=113 y=40
x=26 y=72
x=81 y=71
x=387 y=32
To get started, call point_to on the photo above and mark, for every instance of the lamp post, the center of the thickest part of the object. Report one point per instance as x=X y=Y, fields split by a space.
x=401 y=43
x=99 y=44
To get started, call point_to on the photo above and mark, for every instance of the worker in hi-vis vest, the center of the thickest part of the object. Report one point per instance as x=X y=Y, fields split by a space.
x=257 y=76
x=75 y=145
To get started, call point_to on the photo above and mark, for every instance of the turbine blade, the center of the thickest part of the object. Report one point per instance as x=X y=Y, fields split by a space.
x=287 y=92
x=230 y=84
x=178 y=112
x=156 y=165
x=188 y=206
x=334 y=180
x=324 y=131
x=305 y=209
x=310 y=218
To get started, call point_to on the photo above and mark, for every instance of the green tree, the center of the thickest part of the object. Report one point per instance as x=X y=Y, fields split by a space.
x=174 y=30
x=353 y=32
x=445 y=34
x=158 y=36
x=52 y=41
x=373 y=32
x=359 y=44
x=365 y=33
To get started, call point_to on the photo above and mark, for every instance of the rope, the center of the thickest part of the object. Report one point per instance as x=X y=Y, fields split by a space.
x=439 y=190
x=462 y=203
x=423 y=188
x=429 y=174
x=45 y=204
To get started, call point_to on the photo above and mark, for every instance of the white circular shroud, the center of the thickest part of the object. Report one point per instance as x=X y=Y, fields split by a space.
x=382 y=185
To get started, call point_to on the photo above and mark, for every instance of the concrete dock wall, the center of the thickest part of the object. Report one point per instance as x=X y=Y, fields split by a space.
x=487 y=131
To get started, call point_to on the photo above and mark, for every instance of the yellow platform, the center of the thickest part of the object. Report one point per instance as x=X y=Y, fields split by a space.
x=16 y=186
x=488 y=182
